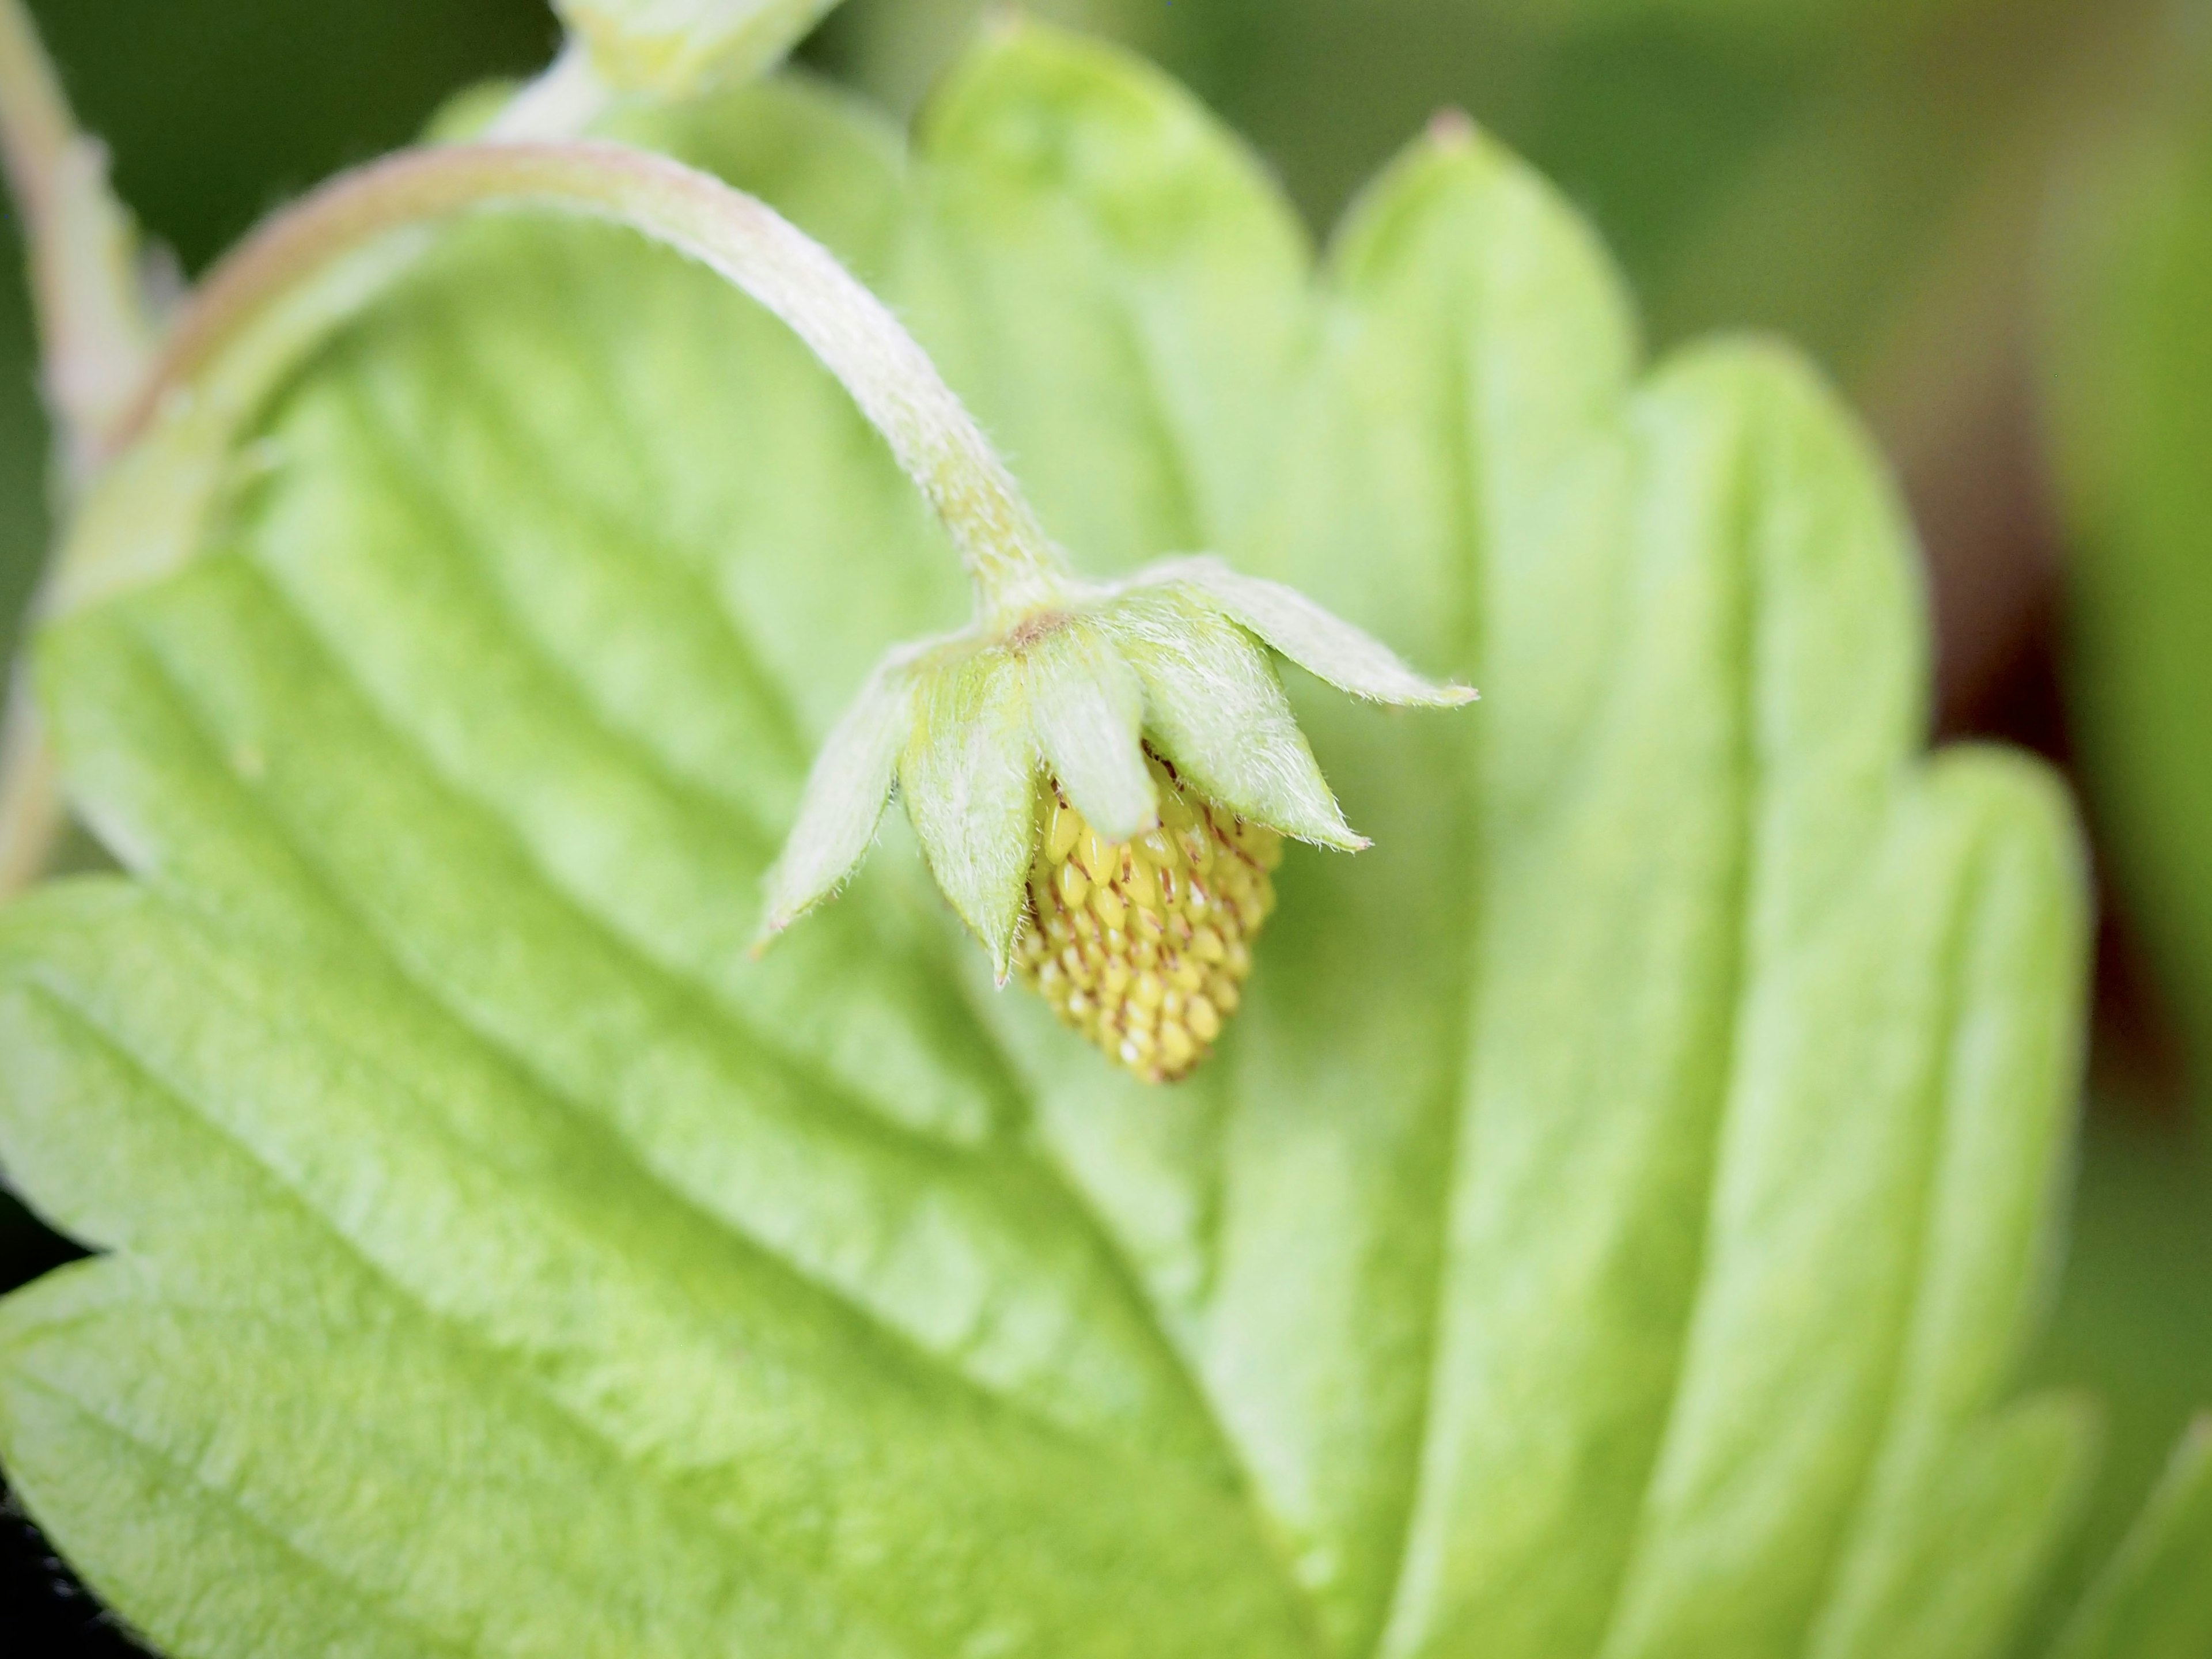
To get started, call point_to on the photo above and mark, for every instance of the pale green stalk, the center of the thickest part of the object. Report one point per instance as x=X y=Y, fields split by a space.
x=1015 y=568
x=97 y=330
x=97 y=335
x=155 y=427
x=31 y=808
x=161 y=456
x=561 y=103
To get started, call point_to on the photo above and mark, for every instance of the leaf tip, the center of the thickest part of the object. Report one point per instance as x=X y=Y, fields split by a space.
x=1452 y=128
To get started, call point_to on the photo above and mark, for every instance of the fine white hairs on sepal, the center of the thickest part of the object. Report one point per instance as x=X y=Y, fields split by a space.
x=844 y=801
x=1074 y=689
x=1087 y=708
x=970 y=776
x=1214 y=707
x=1322 y=643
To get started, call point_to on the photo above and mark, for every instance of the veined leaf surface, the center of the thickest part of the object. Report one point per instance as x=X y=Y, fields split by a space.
x=1608 y=1231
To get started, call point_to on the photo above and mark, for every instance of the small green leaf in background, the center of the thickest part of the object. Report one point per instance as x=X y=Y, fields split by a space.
x=2158 y=1600
x=2132 y=1325
x=2130 y=379
x=2128 y=362
x=1613 y=1229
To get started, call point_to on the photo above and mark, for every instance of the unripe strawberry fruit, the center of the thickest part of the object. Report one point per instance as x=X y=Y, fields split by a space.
x=1144 y=946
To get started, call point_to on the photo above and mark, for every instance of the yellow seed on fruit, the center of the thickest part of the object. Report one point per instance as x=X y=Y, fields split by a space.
x=1110 y=908
x=1205 y=945
x=1204 y=1021
x=1097 y=856
x=1061 y=831
x=1139 y=884
x=1147 y=991
x=1073 y=886
x=1177 y=1051
x=1186 y=976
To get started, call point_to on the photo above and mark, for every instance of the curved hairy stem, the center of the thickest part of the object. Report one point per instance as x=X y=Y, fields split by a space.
x=738 y=237
x=97 y=340
x=163 y=459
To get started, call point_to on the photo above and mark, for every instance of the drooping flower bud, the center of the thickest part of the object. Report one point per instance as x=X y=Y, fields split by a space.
x=1146 y=712
x=1101 y=781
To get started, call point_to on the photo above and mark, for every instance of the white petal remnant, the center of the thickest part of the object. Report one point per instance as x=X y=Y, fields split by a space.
x=969 y=774
x=846 y=794
x=1088 y=708
x=1218 y=712
x=1322 y=643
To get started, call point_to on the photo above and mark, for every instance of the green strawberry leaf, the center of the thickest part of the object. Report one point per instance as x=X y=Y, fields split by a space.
x=1611 y=1227
x=2154 y=1600
x=2127 y=353
x=2129 y=358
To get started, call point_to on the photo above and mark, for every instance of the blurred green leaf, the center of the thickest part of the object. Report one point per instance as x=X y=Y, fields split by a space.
x=1828 y=168
x=2133 y=1327
x=1613 y=1226
x=2156 y=1602
x=2131 y=383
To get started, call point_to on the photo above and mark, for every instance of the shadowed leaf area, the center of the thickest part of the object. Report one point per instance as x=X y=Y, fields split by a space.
x=1610 y=1229
x=2127 y=353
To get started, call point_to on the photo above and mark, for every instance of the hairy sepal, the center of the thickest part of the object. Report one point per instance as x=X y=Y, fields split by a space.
x=1309 y=634
x=1215 y=708
x=969 y=775
x=1087 y=708
x=846 y=794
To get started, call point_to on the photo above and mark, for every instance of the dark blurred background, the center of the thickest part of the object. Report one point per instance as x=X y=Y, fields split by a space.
x=1990 y=220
